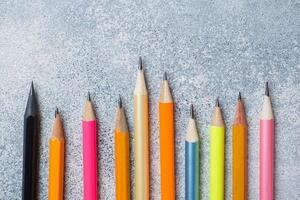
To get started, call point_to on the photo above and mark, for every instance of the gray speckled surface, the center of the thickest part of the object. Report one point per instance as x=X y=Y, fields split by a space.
x=208 y=48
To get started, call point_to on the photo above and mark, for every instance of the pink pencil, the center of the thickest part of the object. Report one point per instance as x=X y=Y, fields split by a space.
x=89 y=152
x=266 y=149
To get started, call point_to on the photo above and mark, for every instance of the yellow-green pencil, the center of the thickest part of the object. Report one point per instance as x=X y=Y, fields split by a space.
x=217 y=153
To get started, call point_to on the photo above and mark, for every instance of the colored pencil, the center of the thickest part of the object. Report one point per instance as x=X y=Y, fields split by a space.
x=192 y=161
x=141 y=140
x=90 y=175
x=166 y=129
x=217 y=153
x=239 y=153
x=56 y=160
x=122 y=161
x=266 y=149
x=30 y=147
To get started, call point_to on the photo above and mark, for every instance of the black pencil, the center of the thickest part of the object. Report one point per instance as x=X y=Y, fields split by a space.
x=30 y=146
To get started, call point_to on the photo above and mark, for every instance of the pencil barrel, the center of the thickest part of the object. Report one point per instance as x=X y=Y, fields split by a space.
x=141 y=147
x=266 y=167
x=239 y=162
x=122 y=163
x=192 y=171
x=167 y=161
x=89 y=160
x=217 y=152
x=29 y=158
x=56 y=169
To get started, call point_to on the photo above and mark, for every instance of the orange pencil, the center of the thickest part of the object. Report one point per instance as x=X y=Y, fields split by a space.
x=239 y=153
x=166 y=125
x=122 y=162
x=56 y=160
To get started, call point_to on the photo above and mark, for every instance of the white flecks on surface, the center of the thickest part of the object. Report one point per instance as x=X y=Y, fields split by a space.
x=208 y=48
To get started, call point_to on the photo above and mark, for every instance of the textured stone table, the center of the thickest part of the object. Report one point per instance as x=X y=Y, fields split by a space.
x=208 y=48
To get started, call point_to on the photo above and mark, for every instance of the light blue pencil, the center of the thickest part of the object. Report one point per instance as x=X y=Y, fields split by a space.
x=192 y=169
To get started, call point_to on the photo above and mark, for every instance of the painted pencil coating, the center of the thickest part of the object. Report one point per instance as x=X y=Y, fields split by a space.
x=266 y=159
x=122 y=165
x=167 y=160
x=217 y=135
x=217 y=153
x=122 y=160
x=239 y=162
x=89 y=160
x=90 y=175
x=266 y=169
x=167 y=154
x=30 y=147
x=56 y=169
x=192 y=170
x=239 y=153
x=56 y=161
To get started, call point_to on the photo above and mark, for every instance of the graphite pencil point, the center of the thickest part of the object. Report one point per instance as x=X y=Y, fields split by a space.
x=165 y=78
x=192 y=113
x=240 y=96
x=217 y=102
x=89 y=96
x=267 y=92
x=120 y=102
x=56 y=111
x=140 y=63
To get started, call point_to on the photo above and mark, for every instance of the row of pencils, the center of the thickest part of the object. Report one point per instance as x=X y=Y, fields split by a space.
x=141 y=150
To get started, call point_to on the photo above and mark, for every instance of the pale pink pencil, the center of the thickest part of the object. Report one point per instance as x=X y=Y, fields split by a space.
x=266 y=168
x=90 y=190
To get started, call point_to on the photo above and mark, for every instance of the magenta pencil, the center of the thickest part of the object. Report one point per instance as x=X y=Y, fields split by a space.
x=266 y=168
x=89 y=152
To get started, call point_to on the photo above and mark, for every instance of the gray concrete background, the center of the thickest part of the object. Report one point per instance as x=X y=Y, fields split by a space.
x=208 y=48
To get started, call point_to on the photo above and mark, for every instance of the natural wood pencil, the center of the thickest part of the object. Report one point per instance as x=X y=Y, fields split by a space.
x=56 y=160
x=217 y=153
x=141 y=137
x=166 y=128
x=122 y=160
x=239 y=153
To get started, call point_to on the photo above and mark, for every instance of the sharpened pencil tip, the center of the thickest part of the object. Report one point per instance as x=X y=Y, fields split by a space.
x=56 y=111
x=217 y=102
x=192 y=113
x=240 y=96
x=31 y=92
x=140 y=63
x=165 y=78
x=267 y=92
x=31 y=106
x=89 y=96
x=120 y=102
